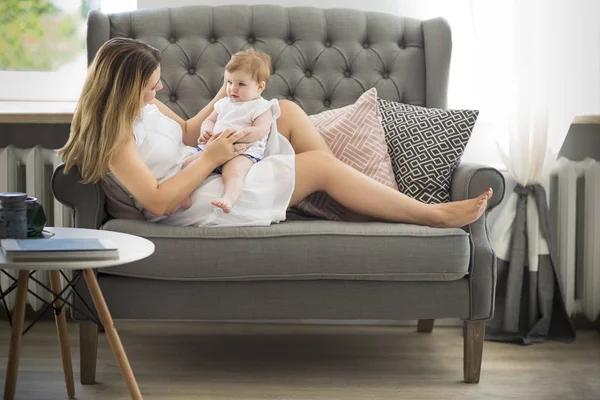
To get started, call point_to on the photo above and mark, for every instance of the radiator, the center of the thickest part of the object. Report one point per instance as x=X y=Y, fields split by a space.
x=575 y=210
x=29 y=171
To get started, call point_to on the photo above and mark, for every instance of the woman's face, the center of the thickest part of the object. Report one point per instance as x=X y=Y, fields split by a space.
x=154 y=85
x=241 y=86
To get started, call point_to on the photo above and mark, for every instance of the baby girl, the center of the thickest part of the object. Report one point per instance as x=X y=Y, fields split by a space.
x=246 y=76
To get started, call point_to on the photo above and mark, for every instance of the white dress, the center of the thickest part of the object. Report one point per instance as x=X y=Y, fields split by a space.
x=240 y=115
x=267 y=190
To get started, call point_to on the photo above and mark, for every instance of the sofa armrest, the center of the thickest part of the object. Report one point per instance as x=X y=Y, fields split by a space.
x=468 y=181
x=471 y=180
x=86 y=200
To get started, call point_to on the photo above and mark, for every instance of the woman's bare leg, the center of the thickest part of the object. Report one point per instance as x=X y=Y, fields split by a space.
x=318 y=170
x=297 y=128
x=234 y=176
x=295 y=125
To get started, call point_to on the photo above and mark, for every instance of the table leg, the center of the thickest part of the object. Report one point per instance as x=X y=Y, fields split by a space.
x=63 y=335
x=16 y=337
x=111 y=333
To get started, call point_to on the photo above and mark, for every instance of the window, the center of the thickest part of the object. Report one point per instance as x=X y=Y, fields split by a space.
x=46 y=61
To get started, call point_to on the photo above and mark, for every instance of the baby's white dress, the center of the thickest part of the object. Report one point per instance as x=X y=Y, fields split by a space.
x=240 y=115
x=267 y=190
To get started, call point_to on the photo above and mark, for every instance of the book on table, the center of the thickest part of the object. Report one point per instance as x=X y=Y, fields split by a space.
x=64 y=249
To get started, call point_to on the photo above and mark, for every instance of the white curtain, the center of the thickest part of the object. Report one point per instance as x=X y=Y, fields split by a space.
x=509 y=53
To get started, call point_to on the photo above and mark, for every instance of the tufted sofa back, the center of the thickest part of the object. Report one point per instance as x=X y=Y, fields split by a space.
x=322 y=58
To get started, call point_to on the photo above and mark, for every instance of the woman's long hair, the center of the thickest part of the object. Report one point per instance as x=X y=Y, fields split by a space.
x=111 y=98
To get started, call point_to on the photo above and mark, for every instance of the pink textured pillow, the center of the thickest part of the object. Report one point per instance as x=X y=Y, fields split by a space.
x=355 y=135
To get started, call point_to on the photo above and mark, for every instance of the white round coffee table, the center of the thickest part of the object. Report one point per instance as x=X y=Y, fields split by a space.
x=131 y=248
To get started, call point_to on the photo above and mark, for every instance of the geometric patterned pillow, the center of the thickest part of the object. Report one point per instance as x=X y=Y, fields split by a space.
x=355 y=136
x=425 y=145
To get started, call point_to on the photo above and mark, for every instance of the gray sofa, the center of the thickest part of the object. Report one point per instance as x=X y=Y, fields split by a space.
x=301 y=269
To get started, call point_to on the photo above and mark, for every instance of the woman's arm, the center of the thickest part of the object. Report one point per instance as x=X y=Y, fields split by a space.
x=129 y=168
x=260 y=127
x=191 y=127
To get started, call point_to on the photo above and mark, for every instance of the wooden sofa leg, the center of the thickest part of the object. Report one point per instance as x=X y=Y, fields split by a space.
x=473 y=334
x=425 y=325
x=88 y=351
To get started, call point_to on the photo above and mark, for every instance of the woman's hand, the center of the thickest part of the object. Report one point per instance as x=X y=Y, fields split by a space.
x=221 y=147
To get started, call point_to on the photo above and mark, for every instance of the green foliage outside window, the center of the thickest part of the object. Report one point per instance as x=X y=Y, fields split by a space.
x=36 y=36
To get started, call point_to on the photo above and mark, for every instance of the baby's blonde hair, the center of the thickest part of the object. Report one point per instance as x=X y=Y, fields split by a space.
x=256 y=63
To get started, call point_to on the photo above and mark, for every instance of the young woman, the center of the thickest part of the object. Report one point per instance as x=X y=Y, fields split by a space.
x=120 y=131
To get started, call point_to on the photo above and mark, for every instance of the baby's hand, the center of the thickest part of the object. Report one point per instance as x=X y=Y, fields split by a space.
x=204 y=136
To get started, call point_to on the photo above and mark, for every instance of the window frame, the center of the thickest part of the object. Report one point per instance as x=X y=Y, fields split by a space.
x=49 y=86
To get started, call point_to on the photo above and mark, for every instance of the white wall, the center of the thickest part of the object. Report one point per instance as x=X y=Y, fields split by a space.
x=386 y=6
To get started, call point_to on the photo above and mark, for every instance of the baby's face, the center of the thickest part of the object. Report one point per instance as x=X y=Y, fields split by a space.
x=241 y=86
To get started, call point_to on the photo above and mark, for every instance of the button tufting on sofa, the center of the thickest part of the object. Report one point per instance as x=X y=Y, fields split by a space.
x=307 y=74
x=347 y=74
x=290 y=97
x=385 y=75
x=173 y=98
x=197 y=47
x=326 y=103
x=191 y=71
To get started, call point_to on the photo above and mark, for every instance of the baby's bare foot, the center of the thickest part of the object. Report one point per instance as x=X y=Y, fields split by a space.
x=457 y=214
x=224 y=203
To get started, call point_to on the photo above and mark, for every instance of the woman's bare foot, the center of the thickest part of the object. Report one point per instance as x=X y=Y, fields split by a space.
x=187 y=203
x=224 y=203
x=457 y=214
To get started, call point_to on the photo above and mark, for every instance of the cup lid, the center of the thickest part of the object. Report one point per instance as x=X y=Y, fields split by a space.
x=12 y=196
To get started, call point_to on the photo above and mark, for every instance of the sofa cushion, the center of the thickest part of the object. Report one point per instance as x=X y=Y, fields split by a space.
x=425 y=145
x=355 y=136
x=119 y=203
x=299 y=250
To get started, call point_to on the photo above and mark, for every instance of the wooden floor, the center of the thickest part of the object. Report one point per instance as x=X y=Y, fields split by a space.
x=179 y=361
